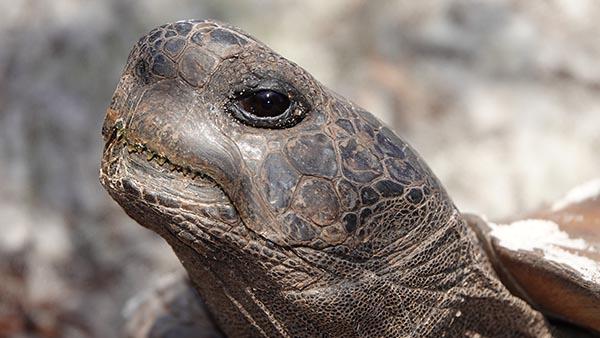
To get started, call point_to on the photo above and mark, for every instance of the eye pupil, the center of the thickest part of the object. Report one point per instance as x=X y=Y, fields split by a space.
x=265 y=103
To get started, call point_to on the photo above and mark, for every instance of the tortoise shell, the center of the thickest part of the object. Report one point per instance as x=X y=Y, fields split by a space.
x=551 y=257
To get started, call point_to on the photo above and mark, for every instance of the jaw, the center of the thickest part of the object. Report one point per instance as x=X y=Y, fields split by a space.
x=146 y=185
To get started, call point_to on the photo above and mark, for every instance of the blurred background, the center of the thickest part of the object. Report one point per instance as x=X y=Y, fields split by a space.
x=501 y=98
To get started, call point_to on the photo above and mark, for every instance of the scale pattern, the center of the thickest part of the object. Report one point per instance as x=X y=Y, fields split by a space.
x=332 y=227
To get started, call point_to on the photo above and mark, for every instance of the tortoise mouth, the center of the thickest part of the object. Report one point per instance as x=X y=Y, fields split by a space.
x=135 y=172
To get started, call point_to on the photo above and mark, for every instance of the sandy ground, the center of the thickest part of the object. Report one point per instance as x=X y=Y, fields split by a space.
x=501 y=98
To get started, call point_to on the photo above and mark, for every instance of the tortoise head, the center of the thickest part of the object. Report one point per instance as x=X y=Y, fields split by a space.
x=274 y=190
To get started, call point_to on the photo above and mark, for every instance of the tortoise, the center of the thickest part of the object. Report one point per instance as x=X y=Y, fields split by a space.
x=296 y=213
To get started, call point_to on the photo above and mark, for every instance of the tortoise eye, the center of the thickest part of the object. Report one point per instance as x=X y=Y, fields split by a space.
x=268 y=108
x=265 y=103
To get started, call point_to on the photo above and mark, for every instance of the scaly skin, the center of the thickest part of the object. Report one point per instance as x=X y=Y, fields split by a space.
x=326 y=224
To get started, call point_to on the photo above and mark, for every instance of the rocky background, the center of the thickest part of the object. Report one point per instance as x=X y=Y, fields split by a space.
x=502 y=99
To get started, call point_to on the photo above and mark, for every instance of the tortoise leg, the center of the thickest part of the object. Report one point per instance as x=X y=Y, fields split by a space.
x=173 y=308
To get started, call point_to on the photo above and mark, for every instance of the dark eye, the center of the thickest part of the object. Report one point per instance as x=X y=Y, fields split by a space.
x=265 y=103
x=268 y=108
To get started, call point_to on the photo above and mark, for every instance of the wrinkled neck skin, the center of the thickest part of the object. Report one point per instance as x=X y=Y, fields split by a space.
x=331 y=227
